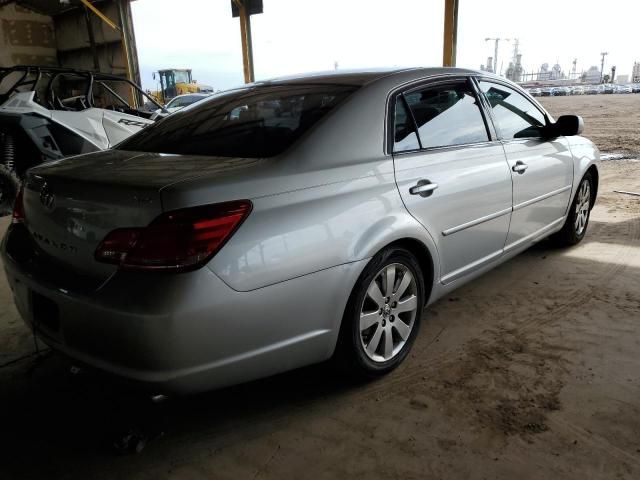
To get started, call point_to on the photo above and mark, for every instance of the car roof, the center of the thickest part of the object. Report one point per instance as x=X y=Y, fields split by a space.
x=361 y=77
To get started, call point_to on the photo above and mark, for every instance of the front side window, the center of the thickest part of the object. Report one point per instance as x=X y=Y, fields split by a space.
x=515 y=115
x=447 y=115
x=256 y=122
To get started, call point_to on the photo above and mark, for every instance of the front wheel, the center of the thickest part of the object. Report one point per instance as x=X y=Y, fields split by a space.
x=575 y=226
x=382 y=317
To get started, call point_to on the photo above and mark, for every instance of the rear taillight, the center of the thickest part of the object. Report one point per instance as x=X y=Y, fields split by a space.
x=180 y=240
x=18 y=207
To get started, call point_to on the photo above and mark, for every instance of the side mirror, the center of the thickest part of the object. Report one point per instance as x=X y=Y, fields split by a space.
x=567 y=125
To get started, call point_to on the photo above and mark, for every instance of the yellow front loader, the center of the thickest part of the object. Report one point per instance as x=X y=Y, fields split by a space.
x=174 y=82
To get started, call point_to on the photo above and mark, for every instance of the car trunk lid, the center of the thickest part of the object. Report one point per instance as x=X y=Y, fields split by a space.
x=72 y=204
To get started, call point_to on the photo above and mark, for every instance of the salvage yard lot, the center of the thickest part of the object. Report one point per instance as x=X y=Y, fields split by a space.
x=611 y=121
x=531 y=371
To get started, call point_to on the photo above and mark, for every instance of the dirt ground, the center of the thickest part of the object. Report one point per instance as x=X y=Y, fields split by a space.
x=611 y=121
x=530 y=372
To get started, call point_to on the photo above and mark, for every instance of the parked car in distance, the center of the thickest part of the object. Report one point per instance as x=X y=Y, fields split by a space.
x=213 y=248
x=623 y=89
x=546 y=92
x=534 y=92
x=179 y=102
x=591 y=90
x=559 y=91
x=635 y=87
x=577 y=90
x=608 y=88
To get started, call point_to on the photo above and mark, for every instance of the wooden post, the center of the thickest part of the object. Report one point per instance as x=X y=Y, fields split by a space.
x=247 y=47
x=450 y=33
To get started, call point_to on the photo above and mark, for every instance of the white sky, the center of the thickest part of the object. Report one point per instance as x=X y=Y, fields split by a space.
x=293 y=36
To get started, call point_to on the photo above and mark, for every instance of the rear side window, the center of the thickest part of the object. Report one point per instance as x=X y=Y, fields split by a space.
x=447 y=115
x=515 y=115
x=405 y=138
x=251 y=123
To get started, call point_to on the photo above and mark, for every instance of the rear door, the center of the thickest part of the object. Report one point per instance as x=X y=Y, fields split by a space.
x=452 y=175
x=541 y=168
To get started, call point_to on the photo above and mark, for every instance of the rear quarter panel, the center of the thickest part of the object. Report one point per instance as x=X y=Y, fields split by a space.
x=303 y=231
x=329 y=200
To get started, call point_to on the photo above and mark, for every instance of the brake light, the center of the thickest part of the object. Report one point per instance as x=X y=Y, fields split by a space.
x=18 y=207
x=180 y=240
x=116 y=245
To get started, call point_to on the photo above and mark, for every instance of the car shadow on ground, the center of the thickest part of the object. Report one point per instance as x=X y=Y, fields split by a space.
x=56 y=423
x=52 y=412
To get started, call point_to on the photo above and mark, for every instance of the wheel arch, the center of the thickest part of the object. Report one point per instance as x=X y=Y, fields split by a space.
x=422 y=253
x=408 y=233
x=425 y=260
x=586 y=158
x=595 y=175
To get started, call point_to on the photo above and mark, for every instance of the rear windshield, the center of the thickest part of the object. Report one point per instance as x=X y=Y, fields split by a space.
x=251 y=123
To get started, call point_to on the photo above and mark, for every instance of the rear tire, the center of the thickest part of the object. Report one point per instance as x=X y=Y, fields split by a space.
x=382 y=318
x=9 y=187
x=575 y=226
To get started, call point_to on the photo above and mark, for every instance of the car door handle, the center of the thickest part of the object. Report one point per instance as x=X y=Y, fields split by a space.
x=424 y=188
x=520 y=167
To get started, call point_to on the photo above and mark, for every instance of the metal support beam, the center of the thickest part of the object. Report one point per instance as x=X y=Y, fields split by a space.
x=450 y=43
x=123 y=40
x=102 y=16
x=92 y=40
x=126 y=52
x=247 y=46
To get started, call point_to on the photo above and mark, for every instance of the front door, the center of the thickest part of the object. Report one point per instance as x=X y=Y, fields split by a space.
x=451 y=176
x=541 y=168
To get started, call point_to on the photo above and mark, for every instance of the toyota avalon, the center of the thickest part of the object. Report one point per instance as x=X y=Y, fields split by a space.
x=234 y=240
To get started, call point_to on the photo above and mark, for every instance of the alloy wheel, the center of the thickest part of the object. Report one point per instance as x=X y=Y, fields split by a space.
x=582 y=207
x=388 y=312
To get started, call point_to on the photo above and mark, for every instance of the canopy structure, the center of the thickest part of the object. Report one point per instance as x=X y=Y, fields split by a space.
x=84 y=34
x=245 y=8
x=98 y=34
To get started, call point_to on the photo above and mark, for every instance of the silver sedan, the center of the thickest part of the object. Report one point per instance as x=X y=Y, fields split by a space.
x=291 y=221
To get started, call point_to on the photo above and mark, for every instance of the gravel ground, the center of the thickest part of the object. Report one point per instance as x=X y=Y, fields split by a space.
x=530 y=372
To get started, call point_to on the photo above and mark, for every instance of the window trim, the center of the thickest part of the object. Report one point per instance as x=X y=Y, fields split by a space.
x=400 y=96
x=429 y=83
x=516 y=89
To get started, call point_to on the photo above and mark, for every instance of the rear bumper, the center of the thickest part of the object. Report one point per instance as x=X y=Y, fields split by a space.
x=186 y=332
